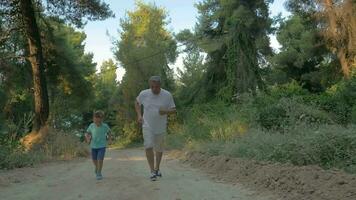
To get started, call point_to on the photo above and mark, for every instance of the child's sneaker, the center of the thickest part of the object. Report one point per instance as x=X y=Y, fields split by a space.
x=158 y=173
x=99 y=176
x=153 y=176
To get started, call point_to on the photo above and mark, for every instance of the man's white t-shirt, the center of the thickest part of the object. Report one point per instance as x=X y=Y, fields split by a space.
x=152 y=120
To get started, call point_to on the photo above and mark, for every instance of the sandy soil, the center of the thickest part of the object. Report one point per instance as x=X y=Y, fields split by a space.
x=125 y=177
x=286 y=181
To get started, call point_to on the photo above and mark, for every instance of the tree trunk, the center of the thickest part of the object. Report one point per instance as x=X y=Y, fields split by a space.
x=37 y=63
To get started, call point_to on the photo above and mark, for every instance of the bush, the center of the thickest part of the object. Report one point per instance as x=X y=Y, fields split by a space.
x=272 y=117
x=329 y=146
x=353 y=115
x=214 y=122
x=57 y=145
x=287 y=90
x=61 y=145
x=287 y=125
x=339 y=100
x=292 y=132
x=288 y=112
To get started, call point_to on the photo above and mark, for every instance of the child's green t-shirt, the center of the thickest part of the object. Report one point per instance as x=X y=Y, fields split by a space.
x=98 y=135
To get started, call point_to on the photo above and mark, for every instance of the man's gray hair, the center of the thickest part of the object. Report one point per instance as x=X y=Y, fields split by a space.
x=155 y=78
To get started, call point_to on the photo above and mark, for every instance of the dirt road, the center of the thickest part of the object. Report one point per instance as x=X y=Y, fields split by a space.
x=125 y=177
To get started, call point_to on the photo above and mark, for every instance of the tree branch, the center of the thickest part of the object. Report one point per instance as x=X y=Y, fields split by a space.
x=6 y=35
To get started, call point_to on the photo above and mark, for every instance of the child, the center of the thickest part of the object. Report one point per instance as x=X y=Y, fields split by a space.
x=97 y=135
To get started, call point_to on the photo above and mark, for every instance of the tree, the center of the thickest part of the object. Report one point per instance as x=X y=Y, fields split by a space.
x=339 y=32
x=145 y=49
x=235 y=36
x=26 y=12
x=105 y=84
x=190 y=78
x=302 y=57
x=336 y=22
x=70 y=73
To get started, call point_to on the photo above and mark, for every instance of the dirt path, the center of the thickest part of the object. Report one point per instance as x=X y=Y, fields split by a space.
x=125 y=177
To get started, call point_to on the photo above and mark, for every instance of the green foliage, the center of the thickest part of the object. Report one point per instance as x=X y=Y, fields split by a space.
x=70 y=73
x=235 y=38
x=145 y=48
x=212 y=121
x=220 y=130
x=272 y=117
x=190 y=84
x=104 y=86
x=339 y=100
x=327 y=146
x=288 y=124
x=353 y=114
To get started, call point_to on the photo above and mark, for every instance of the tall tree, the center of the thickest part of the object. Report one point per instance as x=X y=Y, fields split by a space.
x=145 y=48
x=70 y=72
x=303 y=56
x=235 y=36
x=105 y=83
x=336 y=21
x=69 y=75
x=339 y=17
x=190 y=77
x=26 y=13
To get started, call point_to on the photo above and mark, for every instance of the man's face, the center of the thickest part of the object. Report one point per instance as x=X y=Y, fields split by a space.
x=155 y=87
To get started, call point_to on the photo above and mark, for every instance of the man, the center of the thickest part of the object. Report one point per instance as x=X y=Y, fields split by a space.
x=157 y=104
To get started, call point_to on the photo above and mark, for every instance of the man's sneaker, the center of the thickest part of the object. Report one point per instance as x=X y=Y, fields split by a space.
x=153 y=176
x=158 y=173
x=99 y=176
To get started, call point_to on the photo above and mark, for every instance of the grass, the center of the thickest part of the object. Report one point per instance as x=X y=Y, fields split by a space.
x=56 y=146
x=303 y=140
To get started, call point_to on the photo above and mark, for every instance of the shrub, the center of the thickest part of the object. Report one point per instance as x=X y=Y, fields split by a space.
x=272 y=117
x=329 y=146
x=57 y=145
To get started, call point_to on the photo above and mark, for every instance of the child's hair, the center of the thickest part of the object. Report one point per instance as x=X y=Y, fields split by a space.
x=99 y=114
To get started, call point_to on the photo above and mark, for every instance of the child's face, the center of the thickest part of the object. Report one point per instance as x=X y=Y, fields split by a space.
x=97 y=120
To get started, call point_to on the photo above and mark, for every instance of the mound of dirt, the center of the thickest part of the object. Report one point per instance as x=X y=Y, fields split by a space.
x=287 y=181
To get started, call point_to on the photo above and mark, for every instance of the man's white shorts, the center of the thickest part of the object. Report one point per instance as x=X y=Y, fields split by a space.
x=151 y=140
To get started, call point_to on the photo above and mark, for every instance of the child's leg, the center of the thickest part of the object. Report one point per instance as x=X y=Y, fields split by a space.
x=101 y=154
x=96 y=165
x=100 y=165
x=94 y=155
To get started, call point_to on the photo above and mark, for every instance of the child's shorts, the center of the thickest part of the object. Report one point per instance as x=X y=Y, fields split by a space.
x=98 y=154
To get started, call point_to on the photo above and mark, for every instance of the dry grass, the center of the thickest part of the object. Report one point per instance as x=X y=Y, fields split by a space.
x=47 y=145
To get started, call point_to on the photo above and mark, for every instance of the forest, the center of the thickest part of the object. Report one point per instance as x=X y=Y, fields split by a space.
x=235 y=95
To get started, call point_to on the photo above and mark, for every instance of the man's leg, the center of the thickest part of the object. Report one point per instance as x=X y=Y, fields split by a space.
x=159 y=156
x=148 y=144
x=150 y=158
x=158 y=147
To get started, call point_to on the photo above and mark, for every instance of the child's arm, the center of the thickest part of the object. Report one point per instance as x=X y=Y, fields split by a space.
x=87 y=137
x=109 y=137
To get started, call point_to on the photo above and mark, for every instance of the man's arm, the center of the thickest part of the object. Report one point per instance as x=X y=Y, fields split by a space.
x=171 y=109
x=138 y=112
x=167 y=111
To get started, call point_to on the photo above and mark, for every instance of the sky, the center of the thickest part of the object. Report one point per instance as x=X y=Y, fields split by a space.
x=182 y=15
